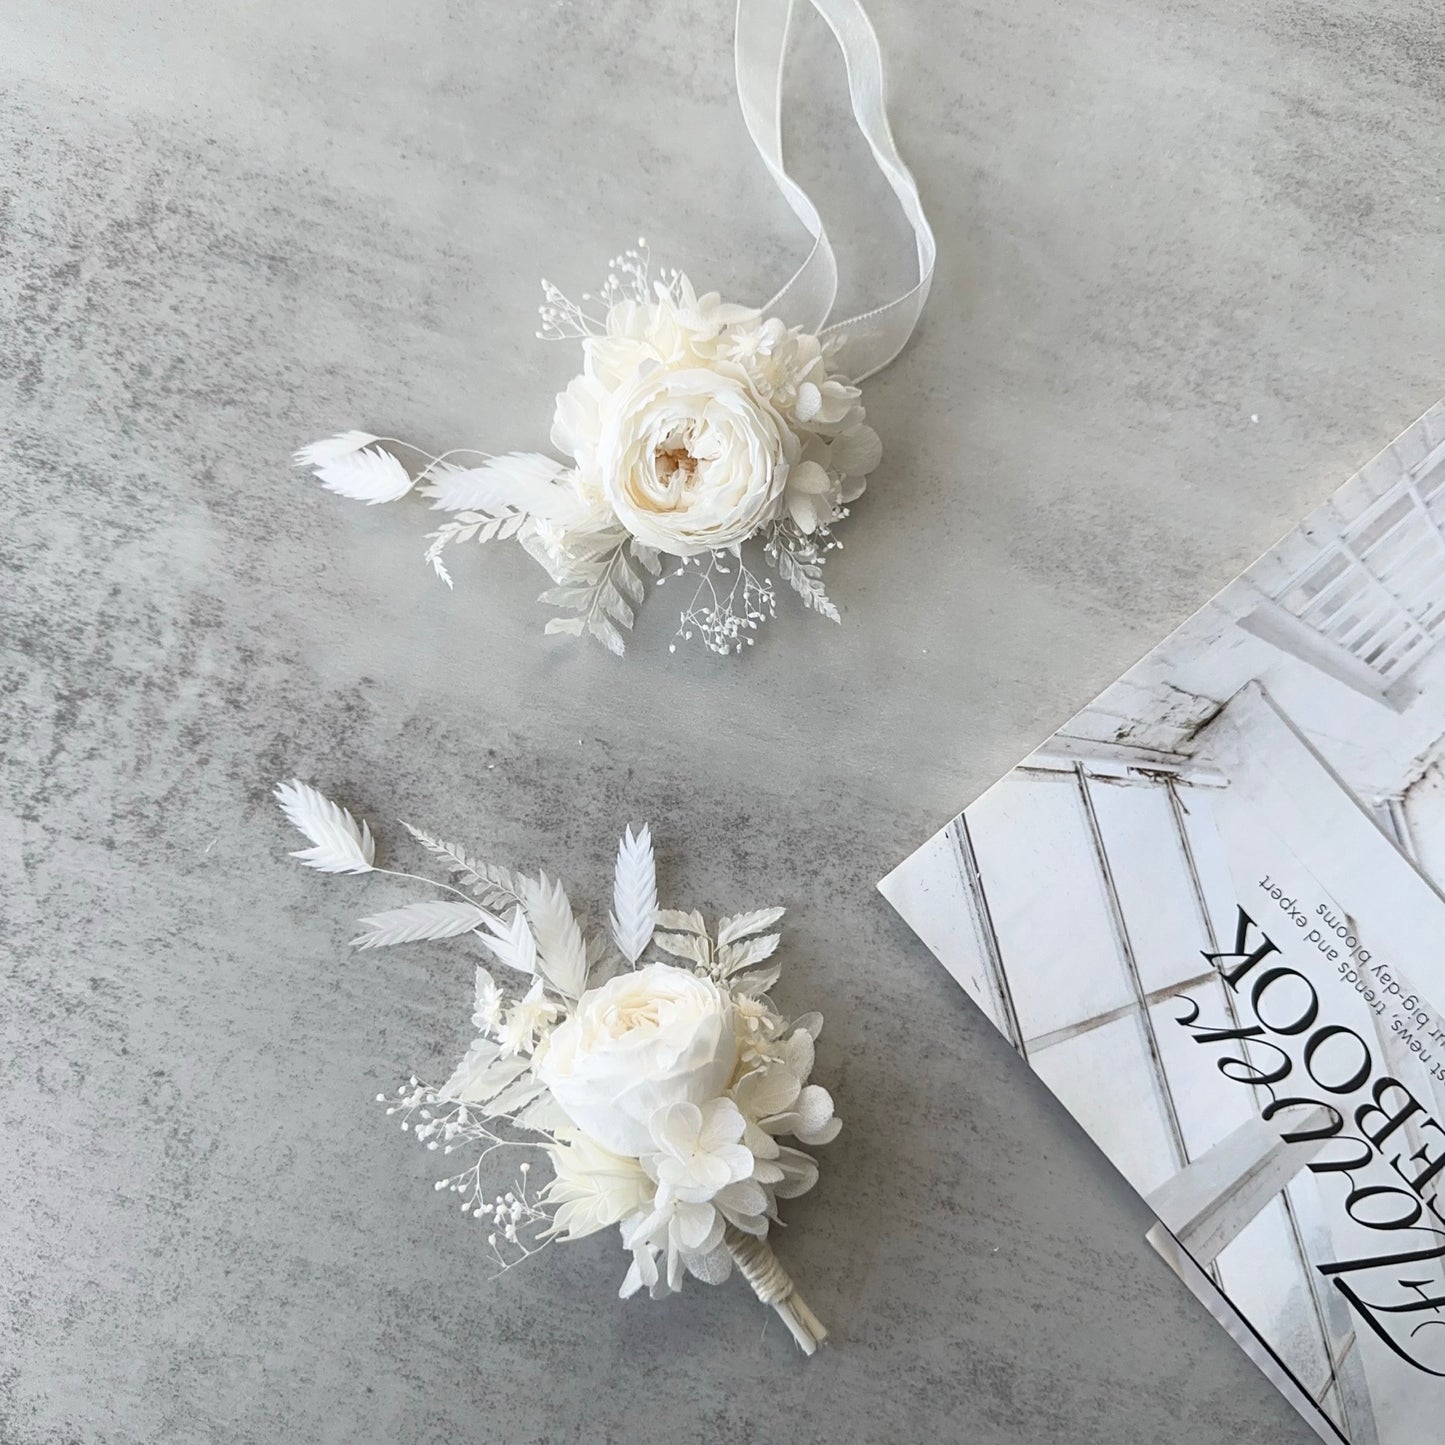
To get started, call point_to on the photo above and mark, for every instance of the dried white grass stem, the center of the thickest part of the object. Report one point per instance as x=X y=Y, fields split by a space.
x=774 y=1286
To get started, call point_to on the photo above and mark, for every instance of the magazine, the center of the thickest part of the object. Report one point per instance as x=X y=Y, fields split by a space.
x=1210 y=914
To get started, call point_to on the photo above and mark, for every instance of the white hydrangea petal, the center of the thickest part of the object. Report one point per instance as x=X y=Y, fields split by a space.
x=729 y=314
x=673 y=1281
x=807 y=515
x=856 y=452
x=744 y=1197
x=737 y=1159
x=836 y=400
x=637 y=1229
x=694 y=1225
x=676 y=1127
x=768 y=1090
x=760 y=1143
x=800 y=1173
x=714 y=1267
x=722 y=1125
x=632 y=1281
x=766 y=1172
x=810 y=477
x=799 y=1054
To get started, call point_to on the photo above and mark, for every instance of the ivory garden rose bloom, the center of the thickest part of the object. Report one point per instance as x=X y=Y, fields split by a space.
x=642 y=1041
x=697 y=424
x=691 y=460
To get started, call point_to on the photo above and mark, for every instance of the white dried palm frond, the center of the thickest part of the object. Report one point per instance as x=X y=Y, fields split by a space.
x=332 y=448
x=339 y=843
x=634 y=894
x=562 y=954
x=415 y=922
x=369 y=476
x=512 y=941
x=517 y=482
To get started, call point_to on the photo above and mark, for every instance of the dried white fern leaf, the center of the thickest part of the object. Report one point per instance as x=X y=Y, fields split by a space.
x=634 y=894
x=561 y=951
x=806 y=579
x=743 y=925
x=369 y=476
x=596 y=583
x=517 y=482
x=333 y=448
x=414 y=922
x=492 y=884
x=339 y=843
x=512 y=941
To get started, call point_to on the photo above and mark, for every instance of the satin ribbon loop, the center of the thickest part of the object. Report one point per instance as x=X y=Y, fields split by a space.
x=869 y=341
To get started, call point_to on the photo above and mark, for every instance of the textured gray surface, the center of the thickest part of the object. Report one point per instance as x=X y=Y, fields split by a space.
x=229 y=229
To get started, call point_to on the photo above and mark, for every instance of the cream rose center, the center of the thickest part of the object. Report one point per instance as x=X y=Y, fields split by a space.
x=691 y=460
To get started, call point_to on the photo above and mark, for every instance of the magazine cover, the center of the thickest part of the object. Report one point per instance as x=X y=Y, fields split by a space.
x=1210 y=914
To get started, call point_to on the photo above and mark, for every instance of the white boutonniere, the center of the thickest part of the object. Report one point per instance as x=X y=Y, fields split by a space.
x=643 y=1063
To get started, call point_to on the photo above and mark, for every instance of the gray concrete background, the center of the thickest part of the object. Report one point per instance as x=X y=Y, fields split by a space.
x=231 y=229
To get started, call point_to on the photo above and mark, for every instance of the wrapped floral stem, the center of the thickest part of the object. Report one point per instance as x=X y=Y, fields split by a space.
x=643 y=1061
x=774 y=1286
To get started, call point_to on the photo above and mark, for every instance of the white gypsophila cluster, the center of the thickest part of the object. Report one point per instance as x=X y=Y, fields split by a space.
x=695 y=427
x=645 y=1062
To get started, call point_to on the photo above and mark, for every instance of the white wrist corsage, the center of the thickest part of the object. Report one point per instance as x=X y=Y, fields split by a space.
x=644 y=1061
x=696 y=427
